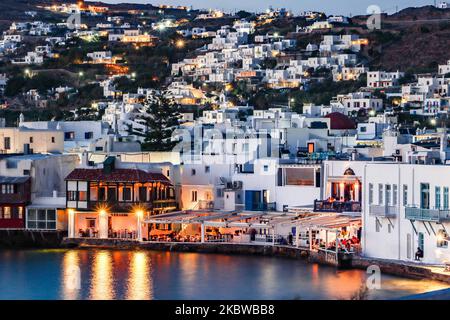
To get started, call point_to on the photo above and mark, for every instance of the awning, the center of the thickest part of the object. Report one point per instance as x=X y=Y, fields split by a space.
x=327 y=221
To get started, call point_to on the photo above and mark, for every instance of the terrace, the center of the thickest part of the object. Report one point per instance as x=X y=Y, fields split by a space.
x=336 y=206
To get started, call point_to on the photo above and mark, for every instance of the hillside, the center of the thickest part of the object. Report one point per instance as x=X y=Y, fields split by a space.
x=414 y=39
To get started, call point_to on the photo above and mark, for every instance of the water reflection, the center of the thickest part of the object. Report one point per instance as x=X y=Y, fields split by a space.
x=71 y=276
x=140 y=285
x=103 y=274
x=102 y=278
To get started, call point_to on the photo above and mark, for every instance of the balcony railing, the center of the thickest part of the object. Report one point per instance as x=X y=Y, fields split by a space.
x=336 y=206
x=432 y=215
x=383 y=211
x=125 y=206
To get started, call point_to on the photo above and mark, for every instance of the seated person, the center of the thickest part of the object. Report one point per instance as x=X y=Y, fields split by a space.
x=419 y=254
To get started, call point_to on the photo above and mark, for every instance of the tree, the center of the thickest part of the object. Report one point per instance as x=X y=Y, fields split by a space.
x=162 y=120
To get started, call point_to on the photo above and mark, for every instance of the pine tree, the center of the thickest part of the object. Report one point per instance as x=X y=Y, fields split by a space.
x=162 y=120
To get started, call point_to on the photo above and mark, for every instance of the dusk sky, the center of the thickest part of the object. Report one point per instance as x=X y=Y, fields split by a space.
x=345 y=7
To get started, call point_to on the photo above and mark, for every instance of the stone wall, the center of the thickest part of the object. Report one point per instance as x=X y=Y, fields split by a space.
x=30 y=239
x=402 y=269
x=224 y=248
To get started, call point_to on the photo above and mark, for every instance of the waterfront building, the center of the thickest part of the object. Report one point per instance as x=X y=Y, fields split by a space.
x=406 y=207
x=32 y=190
x=111 y=202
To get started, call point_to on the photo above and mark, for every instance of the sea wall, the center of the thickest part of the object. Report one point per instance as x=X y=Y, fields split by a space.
x=224 y=248
x=16 y=238
x=389 y=267
x=402 y=269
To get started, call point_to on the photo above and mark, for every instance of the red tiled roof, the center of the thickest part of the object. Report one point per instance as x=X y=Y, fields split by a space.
x=117 y=175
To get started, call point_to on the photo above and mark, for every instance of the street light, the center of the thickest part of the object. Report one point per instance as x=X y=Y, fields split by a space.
x=180 y=44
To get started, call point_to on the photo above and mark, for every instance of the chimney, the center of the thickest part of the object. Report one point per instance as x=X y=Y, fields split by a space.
x=85 y=159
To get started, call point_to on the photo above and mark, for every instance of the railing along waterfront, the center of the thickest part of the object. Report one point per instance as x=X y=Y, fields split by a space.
x=422 y=214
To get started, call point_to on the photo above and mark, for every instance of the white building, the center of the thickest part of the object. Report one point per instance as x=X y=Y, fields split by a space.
x=406 y=207
x=444 y=68
x=382 y=79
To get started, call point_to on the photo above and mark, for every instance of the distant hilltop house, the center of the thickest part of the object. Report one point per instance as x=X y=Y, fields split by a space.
x=134 y=36
x=212 y=14
x=101 y=57
x=382 y=79
x=444 y=68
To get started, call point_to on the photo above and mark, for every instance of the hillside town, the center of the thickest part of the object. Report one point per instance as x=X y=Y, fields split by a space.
x=170 y=124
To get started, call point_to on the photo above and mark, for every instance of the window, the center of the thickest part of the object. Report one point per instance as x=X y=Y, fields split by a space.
x=53 y=139
x=93 y=195
x=193 y=172
x=380 y=194
x=194 y=196
x=388 y=195
x=72 y=195
x=82 y=195
x=425 y=195
x=126 y=194
x=370 y=193
x=394 y=194
x=445 y=198
x=6 y=212
x=88 y=135
x=437 y=197
x=143 y=194
x=441 y=237
x=405 y=194
x=7 y=143
x=363 y=129
x=8 y=188
x=31 y=139
x=101 y=194
x=26 y=172
x=266 y=168
x=207 y=169
x=70 y=135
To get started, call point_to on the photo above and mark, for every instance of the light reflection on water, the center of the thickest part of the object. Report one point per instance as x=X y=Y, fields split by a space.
x=108 y=274
x=140 y=285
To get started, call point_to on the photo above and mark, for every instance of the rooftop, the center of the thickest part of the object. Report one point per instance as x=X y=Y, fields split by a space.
x=117 y=175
